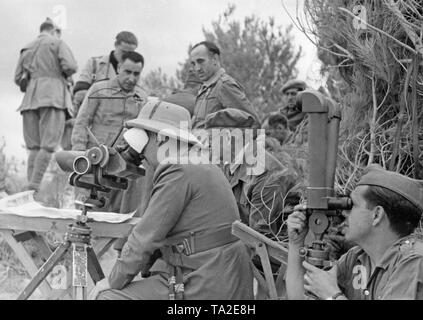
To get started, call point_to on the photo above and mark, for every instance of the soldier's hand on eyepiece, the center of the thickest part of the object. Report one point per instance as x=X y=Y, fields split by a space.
x=297 y=226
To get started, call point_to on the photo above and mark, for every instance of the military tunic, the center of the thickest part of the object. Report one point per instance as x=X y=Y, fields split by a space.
x=96 y=69
x=220 y=92
x=398 y=276
x=105 y=110
x=294 y=116
x=262 y=198
x=52 y=63
x=184 y=199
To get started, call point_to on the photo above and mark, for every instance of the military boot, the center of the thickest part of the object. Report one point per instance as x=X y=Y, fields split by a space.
x=40 y=166
x=30 y=165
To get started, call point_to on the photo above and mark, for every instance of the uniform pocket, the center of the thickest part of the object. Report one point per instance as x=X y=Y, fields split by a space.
x=111 y=119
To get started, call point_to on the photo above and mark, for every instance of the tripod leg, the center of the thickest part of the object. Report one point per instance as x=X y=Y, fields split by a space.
x=94 y=267
x=80 y=293
x=43 y=272
x=79 y=270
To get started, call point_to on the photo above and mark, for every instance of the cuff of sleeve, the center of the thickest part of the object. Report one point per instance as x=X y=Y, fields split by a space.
x=117 y=279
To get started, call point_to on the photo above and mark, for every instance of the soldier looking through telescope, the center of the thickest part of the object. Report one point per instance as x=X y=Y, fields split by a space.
x=387 y=262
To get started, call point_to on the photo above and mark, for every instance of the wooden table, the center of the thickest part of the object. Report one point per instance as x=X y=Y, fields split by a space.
x=17 y=229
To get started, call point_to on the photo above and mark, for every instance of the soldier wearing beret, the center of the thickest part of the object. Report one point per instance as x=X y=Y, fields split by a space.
x=386 y=264
x=187 y=96
x=219 y=90
x=290 y=90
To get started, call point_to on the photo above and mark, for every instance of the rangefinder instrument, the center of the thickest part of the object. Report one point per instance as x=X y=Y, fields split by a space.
x=322 y=204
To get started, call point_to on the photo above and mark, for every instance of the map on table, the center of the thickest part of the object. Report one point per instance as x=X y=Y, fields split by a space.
x=23 y=204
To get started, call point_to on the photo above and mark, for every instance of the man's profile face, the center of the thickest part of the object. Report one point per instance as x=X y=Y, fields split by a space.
x=291 y=96
x=129 y=74
x=204 y=63
x=358 y=222
x=121 y=48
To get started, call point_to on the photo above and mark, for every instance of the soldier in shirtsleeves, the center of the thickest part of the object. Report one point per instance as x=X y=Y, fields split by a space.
x=387 y=261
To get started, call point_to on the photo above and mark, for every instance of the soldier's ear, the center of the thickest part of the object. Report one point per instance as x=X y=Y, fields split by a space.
x=378 y=215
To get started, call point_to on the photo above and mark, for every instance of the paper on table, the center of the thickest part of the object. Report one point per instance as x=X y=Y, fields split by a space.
x=23 y=204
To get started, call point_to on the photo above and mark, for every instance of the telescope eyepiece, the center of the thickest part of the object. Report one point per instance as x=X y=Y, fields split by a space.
x=132 y=156
x=341 y=203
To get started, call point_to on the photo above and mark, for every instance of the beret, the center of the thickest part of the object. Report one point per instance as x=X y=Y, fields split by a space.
x=231 y=118
x=192 y=78
x=410 y=189
x=294 y=84
x=182 y=98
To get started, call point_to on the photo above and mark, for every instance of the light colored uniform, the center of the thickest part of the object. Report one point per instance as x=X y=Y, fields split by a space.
x=398 y=276
x=47 y=100
x=105 y=110
x=48 y=86
x=96 y=69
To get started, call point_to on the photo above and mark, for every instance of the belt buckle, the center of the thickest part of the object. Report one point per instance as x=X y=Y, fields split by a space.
x=186 y=246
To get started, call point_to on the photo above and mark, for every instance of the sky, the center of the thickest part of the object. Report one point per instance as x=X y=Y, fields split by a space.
x=165 y=29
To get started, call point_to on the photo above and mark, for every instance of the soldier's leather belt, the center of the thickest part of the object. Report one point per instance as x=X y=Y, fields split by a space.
x=177 y=252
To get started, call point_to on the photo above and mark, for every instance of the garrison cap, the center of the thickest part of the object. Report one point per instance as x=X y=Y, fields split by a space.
x=410 y=189
x=231 y=118
x=294 y=84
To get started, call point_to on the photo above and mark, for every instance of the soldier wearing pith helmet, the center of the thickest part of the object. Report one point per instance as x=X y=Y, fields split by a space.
x=184 y=239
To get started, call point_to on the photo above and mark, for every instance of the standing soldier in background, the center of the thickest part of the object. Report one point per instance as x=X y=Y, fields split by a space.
x=219 y=90
x=106 y=107
x=97 y=69
x=103 y=67
x=47 y=62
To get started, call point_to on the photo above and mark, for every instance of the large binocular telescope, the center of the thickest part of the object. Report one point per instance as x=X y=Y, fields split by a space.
x=102 y=167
